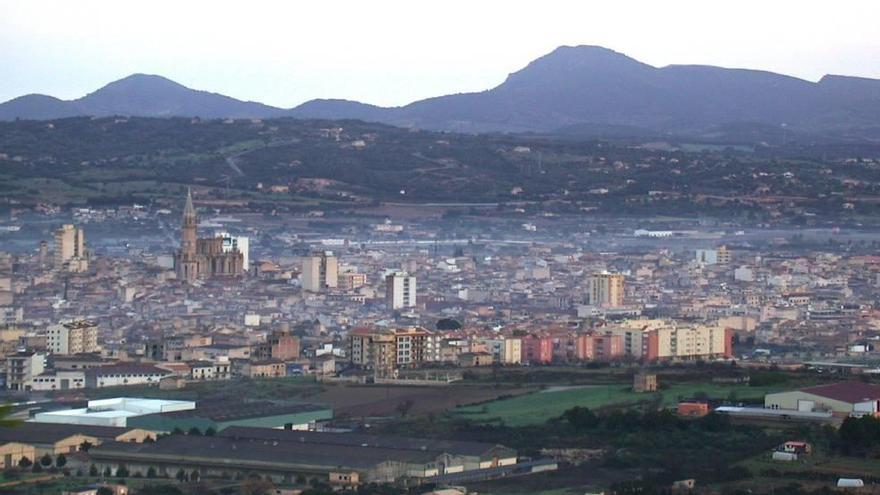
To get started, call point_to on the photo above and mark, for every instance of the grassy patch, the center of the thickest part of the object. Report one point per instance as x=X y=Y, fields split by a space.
x=538 y=407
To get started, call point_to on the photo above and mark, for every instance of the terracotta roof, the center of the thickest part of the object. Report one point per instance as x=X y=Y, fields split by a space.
x=851 y=392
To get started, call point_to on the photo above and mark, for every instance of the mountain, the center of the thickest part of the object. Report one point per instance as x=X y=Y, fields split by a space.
x=38 y=107
x=573 y=87
x=137 y=95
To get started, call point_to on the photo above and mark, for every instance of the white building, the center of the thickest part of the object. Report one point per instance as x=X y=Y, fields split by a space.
x=59 y=380
x=400 y=290
x=113 y=412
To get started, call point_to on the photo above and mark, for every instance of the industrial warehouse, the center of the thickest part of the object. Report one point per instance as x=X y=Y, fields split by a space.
x=284 y=455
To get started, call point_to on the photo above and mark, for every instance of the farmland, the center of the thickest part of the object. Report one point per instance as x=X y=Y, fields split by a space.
x=550 y=403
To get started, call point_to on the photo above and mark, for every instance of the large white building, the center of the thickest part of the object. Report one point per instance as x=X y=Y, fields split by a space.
x=113 y=412
x=400 y=290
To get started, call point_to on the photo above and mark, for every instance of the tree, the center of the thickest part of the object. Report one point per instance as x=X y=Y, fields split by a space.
x=581 y=418
x=181 y=475
x=210 y=432
x=194 y=431
x=24 y=462
x=60 y=460
x=93 y=470
x=46 y=460
x=256 y=486
x=6 y=420
x=121 y=471
x=85 y=446
x=151 y=472
x=108 y=472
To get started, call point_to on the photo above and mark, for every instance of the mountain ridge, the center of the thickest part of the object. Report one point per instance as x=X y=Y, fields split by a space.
x=570 y=86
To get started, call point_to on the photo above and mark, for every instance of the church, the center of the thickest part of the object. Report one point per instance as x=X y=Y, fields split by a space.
x=203 y=258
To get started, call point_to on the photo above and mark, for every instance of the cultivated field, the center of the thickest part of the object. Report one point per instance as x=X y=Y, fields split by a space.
x=550 y=403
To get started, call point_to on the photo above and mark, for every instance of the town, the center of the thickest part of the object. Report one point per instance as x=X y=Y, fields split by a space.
x=124 y=358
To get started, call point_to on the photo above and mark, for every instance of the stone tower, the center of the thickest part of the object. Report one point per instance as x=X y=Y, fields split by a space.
x=186 y=261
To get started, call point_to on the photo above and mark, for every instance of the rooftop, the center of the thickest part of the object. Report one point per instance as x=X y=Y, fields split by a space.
x=851 y=392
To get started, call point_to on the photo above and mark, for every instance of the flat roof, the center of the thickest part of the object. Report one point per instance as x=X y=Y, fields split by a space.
x=119 y=407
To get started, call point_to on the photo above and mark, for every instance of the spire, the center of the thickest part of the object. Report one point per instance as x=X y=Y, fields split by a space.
x=188 y=210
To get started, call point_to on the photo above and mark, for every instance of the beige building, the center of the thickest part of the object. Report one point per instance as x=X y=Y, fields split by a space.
x=606 y=290
x=690 y=342
x=72 y=337
x=512 y=351
x=644 y=382
x=320 y=271
x=12 y=453
x=70 y=249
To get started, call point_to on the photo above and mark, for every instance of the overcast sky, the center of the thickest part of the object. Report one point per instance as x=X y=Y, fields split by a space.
x=393 y=52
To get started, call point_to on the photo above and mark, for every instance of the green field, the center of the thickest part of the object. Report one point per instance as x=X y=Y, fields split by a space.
x=538 y=407
x=818 y=462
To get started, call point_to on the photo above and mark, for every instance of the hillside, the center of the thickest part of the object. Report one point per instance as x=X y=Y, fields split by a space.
x=300 y=165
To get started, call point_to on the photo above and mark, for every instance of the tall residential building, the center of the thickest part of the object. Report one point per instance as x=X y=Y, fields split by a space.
x=386 y=351
x=373 y=350
x=200 y=258
x=320 y=271
x=723 y=255
x=70 y=249
x=400 y=291
x=606 y=290
x=663 y=340
x=72 y=337
x=685 y=343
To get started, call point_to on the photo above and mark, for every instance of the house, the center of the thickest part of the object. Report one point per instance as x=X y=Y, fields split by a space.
x=692 y=408
x=796 y=447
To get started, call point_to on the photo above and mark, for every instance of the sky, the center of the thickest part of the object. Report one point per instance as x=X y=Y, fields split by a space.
x=391 y=52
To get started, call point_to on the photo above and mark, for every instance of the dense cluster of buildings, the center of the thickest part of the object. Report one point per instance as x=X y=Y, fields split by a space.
x=382 y=301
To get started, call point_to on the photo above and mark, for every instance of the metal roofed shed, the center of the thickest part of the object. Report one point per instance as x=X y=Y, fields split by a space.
x=221 y=414
x=841 y=399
